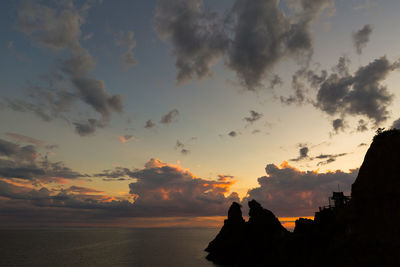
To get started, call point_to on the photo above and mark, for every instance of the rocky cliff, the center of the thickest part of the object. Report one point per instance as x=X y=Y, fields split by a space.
x=376 y=191
x=362 y=232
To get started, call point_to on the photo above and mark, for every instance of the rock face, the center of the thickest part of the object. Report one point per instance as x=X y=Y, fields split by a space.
x=362 y=232
x=376 y=191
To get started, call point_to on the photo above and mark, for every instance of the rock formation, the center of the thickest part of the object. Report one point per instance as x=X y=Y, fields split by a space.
x=361 y=232
x=376 y=191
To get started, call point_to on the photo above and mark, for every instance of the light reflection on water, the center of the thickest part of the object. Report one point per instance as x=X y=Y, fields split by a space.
x=105 y=247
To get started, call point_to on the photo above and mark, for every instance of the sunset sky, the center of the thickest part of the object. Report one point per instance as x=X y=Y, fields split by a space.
x=161 y=113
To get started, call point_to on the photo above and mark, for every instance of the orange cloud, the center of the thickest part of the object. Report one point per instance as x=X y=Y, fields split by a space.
x=127 y=138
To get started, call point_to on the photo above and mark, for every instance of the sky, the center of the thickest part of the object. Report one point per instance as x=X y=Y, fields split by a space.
x=162 y=113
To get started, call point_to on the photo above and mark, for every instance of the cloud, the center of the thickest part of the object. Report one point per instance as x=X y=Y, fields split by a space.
x=94 y=94
x=127 y=39
x=290 y=192
x=126 y=138
x=196 y=35
x=158 y=190
x=167 y=189
x=53 y=29
x=30 y=140
x=117 y=174
x=396 y=124
x=232 y=133
x=59 y=28
x=263 y=35
x=329 y=158
x=253 y=36
x=275 y=81
x=170 y=117
x=338 y=125
x=361 y=38
x=87 y=128
x=362 y=126
x=83 y=190
x=24 y=106
x=23 y=162
x=299 y=89
x=359 y=94
x=254 y=116
x=181 y=147
x=25 y=139
x=303 y=153
x=149 y=124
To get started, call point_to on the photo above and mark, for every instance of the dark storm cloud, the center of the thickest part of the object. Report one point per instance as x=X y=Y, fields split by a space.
x=359 y=94
x=254 y=116
x=254 y=36
x=59 y=28
x=290 y=192
x=361 y=38
x=149 y=124
x=196 y=35
x=170 y=117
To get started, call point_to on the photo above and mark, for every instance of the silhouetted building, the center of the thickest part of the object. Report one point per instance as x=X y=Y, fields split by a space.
x=337 y=200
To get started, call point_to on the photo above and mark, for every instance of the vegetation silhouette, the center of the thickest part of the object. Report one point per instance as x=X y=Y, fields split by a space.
x=359 y=231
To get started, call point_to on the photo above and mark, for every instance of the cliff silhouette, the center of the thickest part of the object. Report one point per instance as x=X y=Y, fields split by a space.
x=361 y=231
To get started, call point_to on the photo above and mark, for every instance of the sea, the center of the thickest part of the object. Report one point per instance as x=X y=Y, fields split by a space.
x=105 y=247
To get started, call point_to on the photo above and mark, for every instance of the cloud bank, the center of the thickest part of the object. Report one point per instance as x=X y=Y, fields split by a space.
x=287 y=191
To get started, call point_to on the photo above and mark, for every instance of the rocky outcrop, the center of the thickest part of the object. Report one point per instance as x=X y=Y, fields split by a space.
x=376 y=191
x=241 y=243
x=227 y=245
x=362 y=232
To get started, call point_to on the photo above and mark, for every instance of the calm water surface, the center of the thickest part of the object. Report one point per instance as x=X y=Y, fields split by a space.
x=105 y=247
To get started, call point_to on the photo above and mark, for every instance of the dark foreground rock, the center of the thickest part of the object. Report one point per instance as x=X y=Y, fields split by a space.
x=364 y=231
